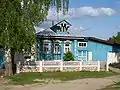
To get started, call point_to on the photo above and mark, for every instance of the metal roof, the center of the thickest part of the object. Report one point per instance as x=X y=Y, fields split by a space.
x=46 y=32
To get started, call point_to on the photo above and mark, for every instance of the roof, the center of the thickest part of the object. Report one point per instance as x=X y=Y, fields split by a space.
x=63 y=21
x=59 y=23
x=46 y=32
x=100 y=40
x=78 y=37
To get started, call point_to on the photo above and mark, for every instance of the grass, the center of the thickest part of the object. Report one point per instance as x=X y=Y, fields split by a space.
x=29 y=77
x=113 y=87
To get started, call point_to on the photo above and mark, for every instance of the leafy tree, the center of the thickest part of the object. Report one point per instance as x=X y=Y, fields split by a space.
x=68 y=56
x=115 y=39
x=17 y=21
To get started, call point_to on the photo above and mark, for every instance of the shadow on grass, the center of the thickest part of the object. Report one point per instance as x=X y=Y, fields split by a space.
x=115 y=86
x=30 y=77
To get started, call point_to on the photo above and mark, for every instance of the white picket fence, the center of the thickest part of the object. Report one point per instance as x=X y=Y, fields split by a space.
x=44 y=66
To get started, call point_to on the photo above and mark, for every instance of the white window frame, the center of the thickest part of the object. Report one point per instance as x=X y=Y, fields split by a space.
x=49 y=45
x=59 y=46
x=61 y=28
x=82 y=43
x=67 y=46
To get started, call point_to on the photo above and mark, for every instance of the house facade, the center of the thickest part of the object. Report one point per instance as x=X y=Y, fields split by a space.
x=1 y=57
x=53 y=42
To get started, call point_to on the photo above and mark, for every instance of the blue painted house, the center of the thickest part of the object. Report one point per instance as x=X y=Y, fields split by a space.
x=1 y=57
x=53 y=42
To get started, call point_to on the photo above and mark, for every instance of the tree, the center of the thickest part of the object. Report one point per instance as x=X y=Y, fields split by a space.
x=68 y=56
x=17 y=21
x=115 y=39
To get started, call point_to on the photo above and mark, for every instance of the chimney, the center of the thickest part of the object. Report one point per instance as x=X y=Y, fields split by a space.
x=52 y=23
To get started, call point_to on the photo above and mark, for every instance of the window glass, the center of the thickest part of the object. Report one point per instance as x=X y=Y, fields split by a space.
x=46 y=46
x=82 y=44
x=66 y=49
x=67 y=46
x=57 y=47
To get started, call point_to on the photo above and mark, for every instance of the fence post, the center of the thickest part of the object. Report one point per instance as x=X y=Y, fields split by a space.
x=61 y=65
x=41 y=70
x=80 y=65
x=18 y=67
x=107 y=66
x=98 y=67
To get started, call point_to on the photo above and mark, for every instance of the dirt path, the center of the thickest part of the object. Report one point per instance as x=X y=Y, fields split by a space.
x=81 y=84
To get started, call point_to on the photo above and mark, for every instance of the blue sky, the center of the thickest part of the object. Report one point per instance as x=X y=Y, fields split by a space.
x=100 y=26
x=99 y=18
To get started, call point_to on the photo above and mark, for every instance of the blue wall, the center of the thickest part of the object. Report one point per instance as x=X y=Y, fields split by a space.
x=62 y=49
x=99 y=50
x=1 y=57
x=72 y=48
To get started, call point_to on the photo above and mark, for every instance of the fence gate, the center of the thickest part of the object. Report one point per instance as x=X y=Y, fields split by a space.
x=113 y=57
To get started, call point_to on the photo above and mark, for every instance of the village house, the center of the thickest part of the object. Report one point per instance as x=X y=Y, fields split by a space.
x=53 y=42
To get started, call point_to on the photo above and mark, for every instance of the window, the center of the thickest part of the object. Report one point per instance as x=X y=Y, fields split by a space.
x=57 y=47
x=46 y=46
x=82 y=55
x=67 y=46
x=82 y=44
x=63 y=27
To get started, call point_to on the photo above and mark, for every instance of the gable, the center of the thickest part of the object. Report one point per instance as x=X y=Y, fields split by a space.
x=61 y=27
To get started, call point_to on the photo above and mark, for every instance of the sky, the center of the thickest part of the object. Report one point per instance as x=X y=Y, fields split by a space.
x=98 y=18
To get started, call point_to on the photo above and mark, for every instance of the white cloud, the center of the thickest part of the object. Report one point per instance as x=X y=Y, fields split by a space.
x=77 y=30
x=44 y=25
x=79 y=12
x=52 y=14
x=75 y=13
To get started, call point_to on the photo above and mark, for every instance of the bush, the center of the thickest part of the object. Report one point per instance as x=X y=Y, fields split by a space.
x=68 y=56
x=115 y=65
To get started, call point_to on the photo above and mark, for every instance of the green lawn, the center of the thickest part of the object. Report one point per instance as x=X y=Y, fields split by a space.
x=113 y=87
x=28 y=78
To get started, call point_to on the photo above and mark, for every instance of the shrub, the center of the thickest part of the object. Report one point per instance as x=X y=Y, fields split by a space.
x=68 y=56
x=115 y=65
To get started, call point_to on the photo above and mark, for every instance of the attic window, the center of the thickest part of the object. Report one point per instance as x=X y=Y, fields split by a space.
x=63 y=27
x=82 y=44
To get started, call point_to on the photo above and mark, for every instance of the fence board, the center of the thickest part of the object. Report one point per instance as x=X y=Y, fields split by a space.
x=44 y=66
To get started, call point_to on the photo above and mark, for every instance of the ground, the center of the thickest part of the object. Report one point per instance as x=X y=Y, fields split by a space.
x=79 y=84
